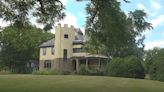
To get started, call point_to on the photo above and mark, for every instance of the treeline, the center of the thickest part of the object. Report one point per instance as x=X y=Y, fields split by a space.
x=151 y=66
x=19 y=47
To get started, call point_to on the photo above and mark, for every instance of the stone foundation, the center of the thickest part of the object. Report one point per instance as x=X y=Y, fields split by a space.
x=41 y=65
x=63 y=65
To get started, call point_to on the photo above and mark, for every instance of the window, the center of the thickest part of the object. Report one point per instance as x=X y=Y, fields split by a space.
x=52 y=50
x=47 y=64
x=65 y=54
x=77 y=50
x=44 y=51
x=65 y=35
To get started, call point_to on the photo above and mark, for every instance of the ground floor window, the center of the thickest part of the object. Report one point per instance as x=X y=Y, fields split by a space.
x=47 y=64
x=65 y=54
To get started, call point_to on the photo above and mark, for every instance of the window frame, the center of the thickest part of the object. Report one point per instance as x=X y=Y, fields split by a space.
x=44 y=51
x=65 y=54
x=66 y=36
x=47 y=64
x=77 y=50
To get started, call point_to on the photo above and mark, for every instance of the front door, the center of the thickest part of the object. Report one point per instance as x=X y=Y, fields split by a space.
x=74 y=65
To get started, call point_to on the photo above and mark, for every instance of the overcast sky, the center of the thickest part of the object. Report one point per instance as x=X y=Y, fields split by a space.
x=76 y=14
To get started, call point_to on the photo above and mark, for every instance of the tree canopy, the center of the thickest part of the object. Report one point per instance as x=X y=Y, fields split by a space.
x=19 y=46
x=156 y=65
x=126 y=67
x=18 y=12
x=108 y=26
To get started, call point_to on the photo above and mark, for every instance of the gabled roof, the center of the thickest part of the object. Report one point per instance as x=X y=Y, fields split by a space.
x=49 y=43
x=97 y=56
x=79 y=39
x=79 y=31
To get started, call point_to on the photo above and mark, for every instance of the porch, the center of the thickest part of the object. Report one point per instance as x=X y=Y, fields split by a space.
x=91 y=62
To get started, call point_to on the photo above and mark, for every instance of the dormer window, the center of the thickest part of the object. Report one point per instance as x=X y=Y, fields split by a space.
x=66 y=36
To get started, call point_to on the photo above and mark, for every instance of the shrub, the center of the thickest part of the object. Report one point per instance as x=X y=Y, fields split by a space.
x=83 y=70
x=4 y=69
x=5 y=72
x=156 y=71
x=99 y=72
x=130 y=67
x=46 y=72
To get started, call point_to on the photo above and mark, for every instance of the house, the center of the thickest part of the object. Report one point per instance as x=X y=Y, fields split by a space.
x=65 y=52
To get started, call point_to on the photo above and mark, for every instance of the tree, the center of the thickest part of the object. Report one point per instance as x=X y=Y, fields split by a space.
x=47 y=12
x=19 y=42
x=149 y=56
x=109 y=26
x=156 y=70
x=20 y=45
x=130 y=67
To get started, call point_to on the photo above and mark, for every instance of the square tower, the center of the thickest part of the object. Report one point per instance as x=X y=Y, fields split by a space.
x=64 y=37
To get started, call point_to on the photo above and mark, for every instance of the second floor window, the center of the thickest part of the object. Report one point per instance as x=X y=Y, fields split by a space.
x=52 y=50
x=44 y=51
x=77 y=50
x=66 y=36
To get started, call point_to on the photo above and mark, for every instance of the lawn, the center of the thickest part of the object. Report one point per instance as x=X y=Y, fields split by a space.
x=70 y=83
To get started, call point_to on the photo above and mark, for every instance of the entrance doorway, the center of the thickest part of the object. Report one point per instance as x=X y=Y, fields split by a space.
x=74 y=64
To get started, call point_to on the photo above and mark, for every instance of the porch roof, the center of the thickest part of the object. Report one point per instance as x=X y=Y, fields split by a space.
x=97 y=56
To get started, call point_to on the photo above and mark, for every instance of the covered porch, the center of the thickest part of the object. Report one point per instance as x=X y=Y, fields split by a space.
x=91 y=62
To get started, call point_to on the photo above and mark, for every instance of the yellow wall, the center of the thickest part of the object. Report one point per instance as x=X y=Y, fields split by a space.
x=62 y=43
x=48 y=55
x=79 y=54
x=78 y=46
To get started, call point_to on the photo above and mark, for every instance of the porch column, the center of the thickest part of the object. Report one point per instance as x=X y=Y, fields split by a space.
x=107 y=62
x=99 y=63
x=77 y=65
x=87 y=62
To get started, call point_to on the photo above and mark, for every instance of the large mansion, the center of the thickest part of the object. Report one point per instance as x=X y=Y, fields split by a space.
x=65 y=52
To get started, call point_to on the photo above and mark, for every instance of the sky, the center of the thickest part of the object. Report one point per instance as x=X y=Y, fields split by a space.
x=76 y=16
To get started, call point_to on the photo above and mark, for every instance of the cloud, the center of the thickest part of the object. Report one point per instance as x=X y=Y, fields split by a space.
x=155 y=5
x=64 y=1
x=158 y=21
x=141 y=7
x=70 y=19
x=3 y=23
x=151 y=45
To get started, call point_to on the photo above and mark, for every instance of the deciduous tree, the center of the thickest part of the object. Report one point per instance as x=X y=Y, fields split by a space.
x=108 y=26
x=20 y=45
x=19 y=12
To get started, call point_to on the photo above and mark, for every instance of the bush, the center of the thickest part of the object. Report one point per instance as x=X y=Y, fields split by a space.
x=83 y=70
x=99 y=72
x=130 y=67
x=46 y=72
x=156 y=71
x=5 y=72
x=4 y=69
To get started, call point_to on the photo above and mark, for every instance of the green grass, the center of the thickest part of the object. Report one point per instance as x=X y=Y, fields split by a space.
x=70 y=83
